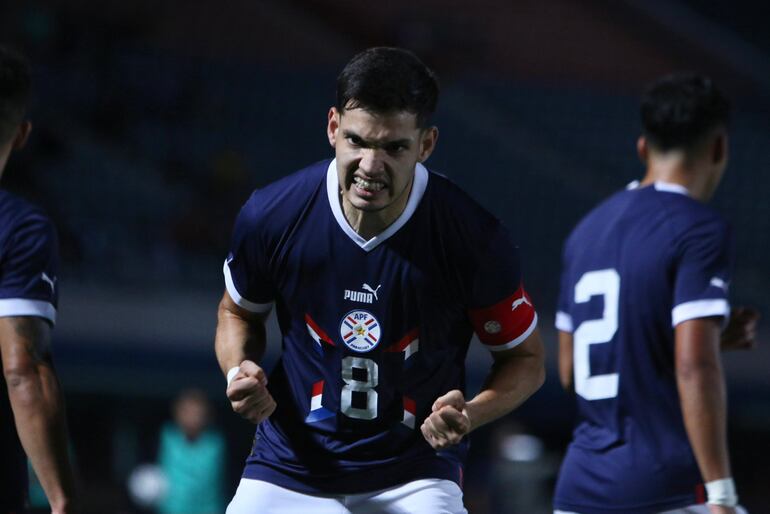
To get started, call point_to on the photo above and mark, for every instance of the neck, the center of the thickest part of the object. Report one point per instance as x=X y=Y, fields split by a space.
x=675 y=168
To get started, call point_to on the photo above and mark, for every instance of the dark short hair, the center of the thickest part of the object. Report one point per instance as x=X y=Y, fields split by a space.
x=385 y=80
x=679 y=110
x=15 y=85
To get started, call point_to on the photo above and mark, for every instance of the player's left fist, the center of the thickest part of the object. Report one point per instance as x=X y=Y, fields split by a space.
x=741 y=330
x=448 y=423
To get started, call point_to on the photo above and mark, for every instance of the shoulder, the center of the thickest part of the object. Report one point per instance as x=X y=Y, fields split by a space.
x=15 y=210
x=284 y=199
x=456 y=208
x=19 y=217
x=608 y=209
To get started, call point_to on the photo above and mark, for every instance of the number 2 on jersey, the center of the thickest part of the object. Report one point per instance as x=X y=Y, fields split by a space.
x=605 y=283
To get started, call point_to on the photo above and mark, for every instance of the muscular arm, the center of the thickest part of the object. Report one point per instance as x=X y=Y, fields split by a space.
x=565 y=361
x=240 y=341
x=702 y=394
x=515 y=375
x=240 y=334
x=38 y=406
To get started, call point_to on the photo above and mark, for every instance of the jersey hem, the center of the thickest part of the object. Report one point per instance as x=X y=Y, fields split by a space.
x=25 y=307
x=642 y=509
x=350 y=482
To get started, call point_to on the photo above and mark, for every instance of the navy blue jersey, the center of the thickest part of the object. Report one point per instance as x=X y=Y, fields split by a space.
x=640 y=263
x=373 y=332
x=28 y=268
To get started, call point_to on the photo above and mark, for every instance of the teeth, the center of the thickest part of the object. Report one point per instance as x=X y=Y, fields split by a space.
x=369 y=186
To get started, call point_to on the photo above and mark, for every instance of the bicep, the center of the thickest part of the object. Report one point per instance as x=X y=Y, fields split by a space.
x=697 y=344
x=24 y=343
x=530 y=348
x=229 y=310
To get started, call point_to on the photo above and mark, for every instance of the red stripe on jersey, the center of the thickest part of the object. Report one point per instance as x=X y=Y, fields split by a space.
x=409 y=405
x=700 y=493
x=404 y=341
x=325 y=338
x=318 y=388
x=505 y=321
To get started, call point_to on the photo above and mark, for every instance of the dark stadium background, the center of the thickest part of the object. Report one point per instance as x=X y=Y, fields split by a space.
x=155 y=119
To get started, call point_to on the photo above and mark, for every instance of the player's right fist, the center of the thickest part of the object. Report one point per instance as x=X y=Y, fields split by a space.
x=248 y=393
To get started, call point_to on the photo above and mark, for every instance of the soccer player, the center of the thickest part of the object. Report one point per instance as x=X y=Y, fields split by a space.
x=29 y=392
x=644 y=297
x=381 y=270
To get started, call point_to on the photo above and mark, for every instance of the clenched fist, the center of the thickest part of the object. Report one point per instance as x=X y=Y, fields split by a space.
x=449 y=421
x=248 y=393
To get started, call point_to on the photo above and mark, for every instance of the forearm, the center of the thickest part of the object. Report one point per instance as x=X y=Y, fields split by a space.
x=702 y=397
x=38 y=410
x=512 y=379
x=238 y=337
x=702 y=394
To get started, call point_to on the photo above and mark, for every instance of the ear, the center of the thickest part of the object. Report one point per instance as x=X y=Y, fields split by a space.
x=333 y=126
x=642 y=149
x=22 y=135
x=719 y=148
x=428 y=141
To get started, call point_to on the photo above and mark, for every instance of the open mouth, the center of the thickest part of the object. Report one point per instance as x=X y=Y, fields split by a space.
x=368 y=186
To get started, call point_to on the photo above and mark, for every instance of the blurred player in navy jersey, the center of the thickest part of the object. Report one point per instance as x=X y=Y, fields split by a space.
x=381 y=270
x=644 y=298
x=31 y=405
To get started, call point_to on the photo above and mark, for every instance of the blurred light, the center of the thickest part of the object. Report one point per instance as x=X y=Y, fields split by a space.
x=521 y=448
x=147 y=485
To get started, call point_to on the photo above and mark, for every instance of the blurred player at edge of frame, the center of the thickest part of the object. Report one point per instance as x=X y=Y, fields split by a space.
x=644 y=298
x=29 y=394
x=381 y=270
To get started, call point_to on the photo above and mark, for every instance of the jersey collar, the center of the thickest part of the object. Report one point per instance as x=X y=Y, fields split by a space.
x=415 y=195
x=668 y=187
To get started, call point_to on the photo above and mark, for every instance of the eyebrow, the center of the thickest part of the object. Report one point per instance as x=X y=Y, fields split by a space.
x=377 y=144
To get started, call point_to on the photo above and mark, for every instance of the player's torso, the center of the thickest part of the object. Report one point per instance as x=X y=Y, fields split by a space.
x=384 y=329
x=620 y=267
x=371 y=335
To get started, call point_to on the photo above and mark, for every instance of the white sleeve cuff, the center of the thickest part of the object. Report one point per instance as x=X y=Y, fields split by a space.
x=699 y=309
x=259 y=308
x=25 y=307
x=563 y=321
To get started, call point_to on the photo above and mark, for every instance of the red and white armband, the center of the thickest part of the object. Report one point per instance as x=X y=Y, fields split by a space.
x=507 y=323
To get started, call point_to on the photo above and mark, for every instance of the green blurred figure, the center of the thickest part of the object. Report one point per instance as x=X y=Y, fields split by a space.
x=192 y=457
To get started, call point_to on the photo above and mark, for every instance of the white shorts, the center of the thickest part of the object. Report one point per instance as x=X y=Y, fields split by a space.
x=692 y=509
x=421 y=496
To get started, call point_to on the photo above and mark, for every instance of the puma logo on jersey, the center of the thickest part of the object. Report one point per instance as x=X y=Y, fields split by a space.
x=718 y=282
x=48 y=281
x=373 y=291
x=364 y=297
x=519 y=301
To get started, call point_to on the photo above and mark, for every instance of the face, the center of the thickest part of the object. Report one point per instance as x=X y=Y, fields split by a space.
x=191 y=416
x=376 y=156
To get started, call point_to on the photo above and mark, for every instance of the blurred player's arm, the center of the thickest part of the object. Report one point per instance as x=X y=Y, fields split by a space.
x=515 y=375
x=38 y=405
x=240 y=344
x=565 y=361
x=702 y=396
